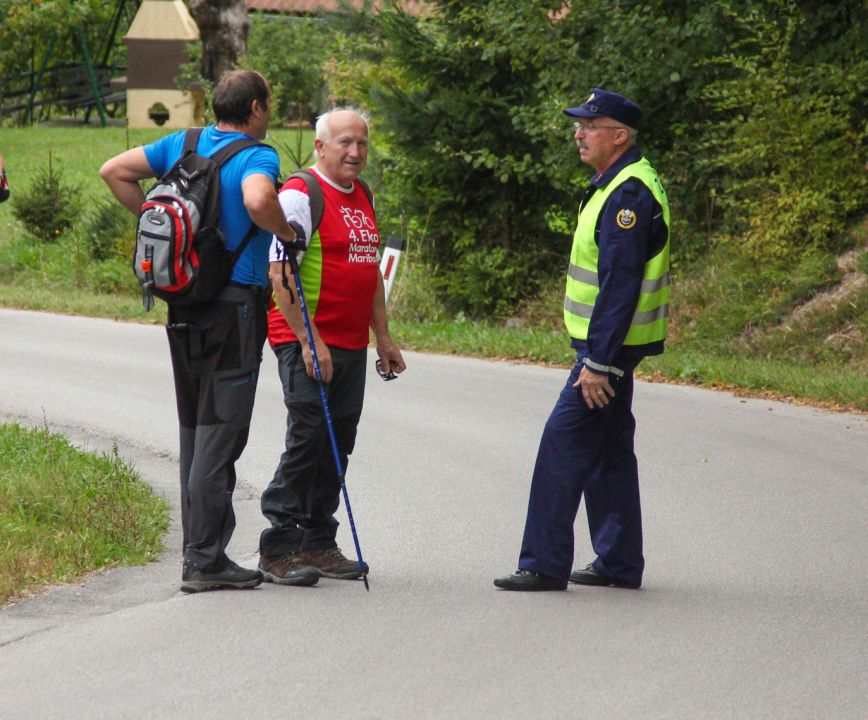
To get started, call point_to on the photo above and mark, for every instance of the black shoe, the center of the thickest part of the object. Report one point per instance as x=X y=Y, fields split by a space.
x=527 y=580
x=589 y=576
x=229 y=575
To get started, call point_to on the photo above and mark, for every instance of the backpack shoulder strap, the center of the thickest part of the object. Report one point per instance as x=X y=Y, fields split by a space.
x=243 y=245
x=191 y=143
x=369 y=193
x=236 y=146
x=191 y=140
x=317 y=201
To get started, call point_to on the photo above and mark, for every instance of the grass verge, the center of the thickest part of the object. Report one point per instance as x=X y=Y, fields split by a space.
x=831 y=388
x=30 y=293
x=65 y=512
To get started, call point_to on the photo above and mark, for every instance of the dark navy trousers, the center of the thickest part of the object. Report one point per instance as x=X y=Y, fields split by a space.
x=587 y=451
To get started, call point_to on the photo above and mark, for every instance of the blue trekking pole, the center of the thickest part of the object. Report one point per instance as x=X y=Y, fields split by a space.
x=289 y=254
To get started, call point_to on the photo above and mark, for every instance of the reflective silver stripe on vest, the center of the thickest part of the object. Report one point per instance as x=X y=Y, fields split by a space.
x=652 y=286
x=583 y=310
x=589 y=277
x=578 y=309
x=649 y=316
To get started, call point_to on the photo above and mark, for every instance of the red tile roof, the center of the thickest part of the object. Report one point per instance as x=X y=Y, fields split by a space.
x=310 y=6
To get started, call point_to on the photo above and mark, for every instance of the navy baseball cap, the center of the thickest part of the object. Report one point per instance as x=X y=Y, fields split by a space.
x=602 y=103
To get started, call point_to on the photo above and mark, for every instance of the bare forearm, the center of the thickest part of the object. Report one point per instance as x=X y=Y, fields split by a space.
x=260 y=199
x=122 y=174
x=379 y=319
x=288 y=303
x=130 y=195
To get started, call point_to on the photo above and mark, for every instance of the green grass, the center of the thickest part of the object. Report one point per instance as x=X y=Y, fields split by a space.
x=63 y=276
x=32 y=293
x=834 y=388
x=485 y=340
x=79 y=150
x=65 y=512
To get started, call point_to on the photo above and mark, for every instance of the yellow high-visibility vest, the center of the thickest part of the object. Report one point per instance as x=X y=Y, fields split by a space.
x=652 y=310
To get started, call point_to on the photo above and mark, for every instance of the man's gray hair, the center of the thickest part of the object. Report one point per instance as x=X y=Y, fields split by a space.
x=632 y=133
x=322 y=122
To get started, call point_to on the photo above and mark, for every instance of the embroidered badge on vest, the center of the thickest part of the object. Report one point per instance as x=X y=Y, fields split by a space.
x=626 y=219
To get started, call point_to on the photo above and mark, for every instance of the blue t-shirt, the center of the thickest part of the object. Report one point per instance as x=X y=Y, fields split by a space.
x=252 y=266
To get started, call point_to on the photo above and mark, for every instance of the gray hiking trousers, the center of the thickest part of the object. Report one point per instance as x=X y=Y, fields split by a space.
x=216 y=350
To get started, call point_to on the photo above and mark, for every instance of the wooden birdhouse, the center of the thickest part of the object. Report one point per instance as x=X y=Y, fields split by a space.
x=157 y=45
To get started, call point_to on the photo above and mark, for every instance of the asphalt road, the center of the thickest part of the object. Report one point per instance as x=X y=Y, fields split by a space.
x=756 y=589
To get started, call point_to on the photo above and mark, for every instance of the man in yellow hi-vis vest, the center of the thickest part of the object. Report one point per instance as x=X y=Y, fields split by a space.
x=616 y=309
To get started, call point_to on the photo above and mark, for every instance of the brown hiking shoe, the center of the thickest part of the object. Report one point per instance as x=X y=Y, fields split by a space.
x=331 y=563
x=287 y=570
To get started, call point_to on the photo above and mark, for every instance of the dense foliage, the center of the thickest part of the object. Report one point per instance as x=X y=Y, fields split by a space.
x=280 y=47
x=754 y=116
x=39 y=21
x=787 y=131
x=43 y=35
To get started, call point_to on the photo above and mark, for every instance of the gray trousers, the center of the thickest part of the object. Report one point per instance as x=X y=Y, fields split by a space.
x=304 y=494
x=216 y=350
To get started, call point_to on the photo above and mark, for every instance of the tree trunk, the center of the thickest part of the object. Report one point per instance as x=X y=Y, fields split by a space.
x=223 y=27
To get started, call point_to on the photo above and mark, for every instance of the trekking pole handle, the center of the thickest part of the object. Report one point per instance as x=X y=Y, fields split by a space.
x=291 y=247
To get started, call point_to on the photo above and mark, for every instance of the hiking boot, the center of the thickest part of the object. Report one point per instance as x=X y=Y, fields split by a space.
x=287 y=570
x=331 y=563
x=226 y=575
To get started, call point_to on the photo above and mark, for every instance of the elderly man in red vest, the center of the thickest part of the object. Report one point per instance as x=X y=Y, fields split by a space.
x=344 y=289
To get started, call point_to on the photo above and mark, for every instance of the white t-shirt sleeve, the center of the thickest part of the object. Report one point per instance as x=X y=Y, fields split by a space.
x=296 y=206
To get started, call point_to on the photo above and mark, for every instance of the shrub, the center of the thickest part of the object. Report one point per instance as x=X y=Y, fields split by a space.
x=414 y=297
x=48 y=206
x=113 y=275
x=108 y=229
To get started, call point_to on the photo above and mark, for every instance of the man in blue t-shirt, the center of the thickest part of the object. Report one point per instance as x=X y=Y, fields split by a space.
x=216 y=346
